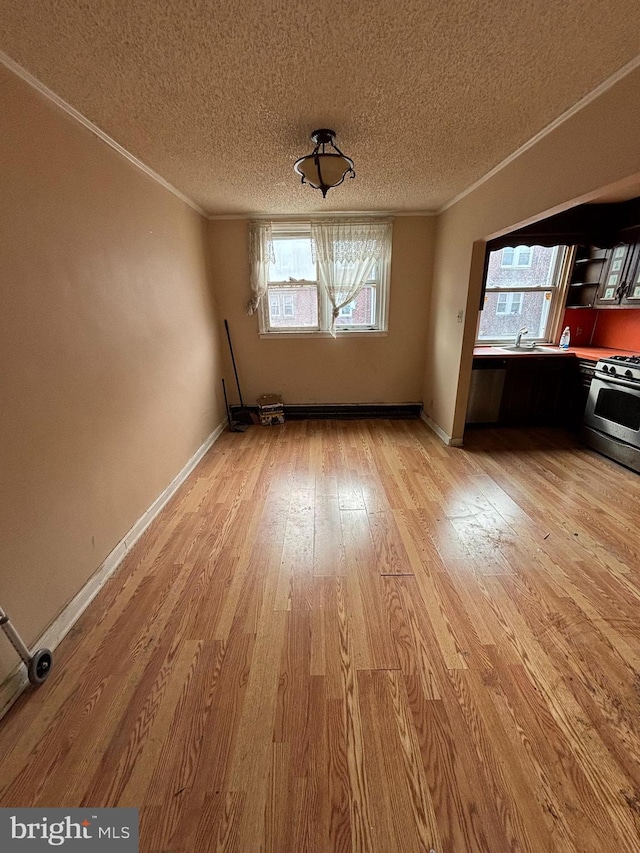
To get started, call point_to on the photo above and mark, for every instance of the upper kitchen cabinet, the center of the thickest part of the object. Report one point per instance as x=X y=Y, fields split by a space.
x=619 y=285
x=631 y=295
x=586 y=276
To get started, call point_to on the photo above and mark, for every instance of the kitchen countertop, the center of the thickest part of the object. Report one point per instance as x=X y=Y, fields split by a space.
x=594 y=353
x=584 y=353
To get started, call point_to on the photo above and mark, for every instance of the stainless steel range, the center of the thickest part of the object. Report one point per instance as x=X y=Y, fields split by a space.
x=612 y=415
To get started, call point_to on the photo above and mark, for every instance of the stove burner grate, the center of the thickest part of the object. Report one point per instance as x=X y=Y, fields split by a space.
x=628 y=359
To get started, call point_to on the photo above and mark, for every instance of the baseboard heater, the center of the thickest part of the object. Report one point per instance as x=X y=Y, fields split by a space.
x=404 y=411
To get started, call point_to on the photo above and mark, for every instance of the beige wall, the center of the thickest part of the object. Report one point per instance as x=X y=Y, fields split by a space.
x=596 y=147
x=109 y=351
x=326 y=370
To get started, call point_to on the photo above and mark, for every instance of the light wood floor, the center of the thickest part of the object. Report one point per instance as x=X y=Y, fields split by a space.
x=343 y=636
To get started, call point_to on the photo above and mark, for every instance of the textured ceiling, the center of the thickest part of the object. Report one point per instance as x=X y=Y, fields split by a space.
x=219 y=97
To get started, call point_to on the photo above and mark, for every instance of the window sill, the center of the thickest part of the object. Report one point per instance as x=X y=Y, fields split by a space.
x=368 y=333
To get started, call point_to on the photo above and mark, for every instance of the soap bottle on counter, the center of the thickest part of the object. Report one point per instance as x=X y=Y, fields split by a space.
x=565 y=338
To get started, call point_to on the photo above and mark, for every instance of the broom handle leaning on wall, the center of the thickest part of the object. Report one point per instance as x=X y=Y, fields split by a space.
x=233 y=361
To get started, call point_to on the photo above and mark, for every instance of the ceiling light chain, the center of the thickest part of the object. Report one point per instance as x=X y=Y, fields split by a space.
x=323 y=170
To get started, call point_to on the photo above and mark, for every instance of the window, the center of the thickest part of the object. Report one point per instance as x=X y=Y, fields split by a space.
x=299 y=302
x=516 y=256
x=509 y=303
x=292 y=285
x=361 y=312
x=524 y=289
x=288 y=305
x=283 y=305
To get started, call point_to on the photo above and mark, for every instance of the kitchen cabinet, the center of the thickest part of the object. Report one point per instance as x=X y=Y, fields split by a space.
x=524 y=391
x=607 y=278
x=612 y=284
x=620 y=282
x=586 y=276
x=631 y=295
x=538 y=390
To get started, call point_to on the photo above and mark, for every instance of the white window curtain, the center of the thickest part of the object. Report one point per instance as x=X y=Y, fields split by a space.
x=261 y=254
x=346 y=252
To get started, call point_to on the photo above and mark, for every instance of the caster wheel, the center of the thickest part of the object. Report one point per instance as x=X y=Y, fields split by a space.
x=40 y=666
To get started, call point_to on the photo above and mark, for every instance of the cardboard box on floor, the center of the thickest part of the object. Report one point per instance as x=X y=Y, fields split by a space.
x=270 y=409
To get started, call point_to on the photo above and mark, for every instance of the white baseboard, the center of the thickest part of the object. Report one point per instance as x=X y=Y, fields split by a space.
x=442 y=435
x=17 y=680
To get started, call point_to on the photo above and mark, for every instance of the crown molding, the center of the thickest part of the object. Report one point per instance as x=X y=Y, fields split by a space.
x=21 y=72
x=607 y=84
x=330 y=214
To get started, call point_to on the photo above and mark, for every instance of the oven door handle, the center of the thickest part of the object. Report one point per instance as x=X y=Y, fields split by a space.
x=617 y=380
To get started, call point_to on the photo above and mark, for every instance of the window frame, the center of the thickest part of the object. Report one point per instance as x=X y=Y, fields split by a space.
x=381 y=283
x=559 y=276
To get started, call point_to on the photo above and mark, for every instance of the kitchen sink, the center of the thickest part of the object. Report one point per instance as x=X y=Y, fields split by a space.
x=531 y=348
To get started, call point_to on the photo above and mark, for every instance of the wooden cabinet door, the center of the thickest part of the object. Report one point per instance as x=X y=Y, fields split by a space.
x=631 y=296
x=620 y=283
x=538 y=391
x=613 y=280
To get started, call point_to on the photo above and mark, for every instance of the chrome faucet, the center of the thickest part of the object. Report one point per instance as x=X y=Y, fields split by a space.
x=523 y=331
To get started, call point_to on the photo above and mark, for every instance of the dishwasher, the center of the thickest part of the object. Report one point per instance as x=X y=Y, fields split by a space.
x=485 y=393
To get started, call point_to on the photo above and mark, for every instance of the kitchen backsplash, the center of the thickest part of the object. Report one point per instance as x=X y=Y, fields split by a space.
x=581 y=322
x=618 y=329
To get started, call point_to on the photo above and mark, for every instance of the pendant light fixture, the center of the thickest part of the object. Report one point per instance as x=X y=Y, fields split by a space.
x=324 y=169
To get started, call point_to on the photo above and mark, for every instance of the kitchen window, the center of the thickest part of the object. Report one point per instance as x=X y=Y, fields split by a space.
x=297 y=298
x=525 y=288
